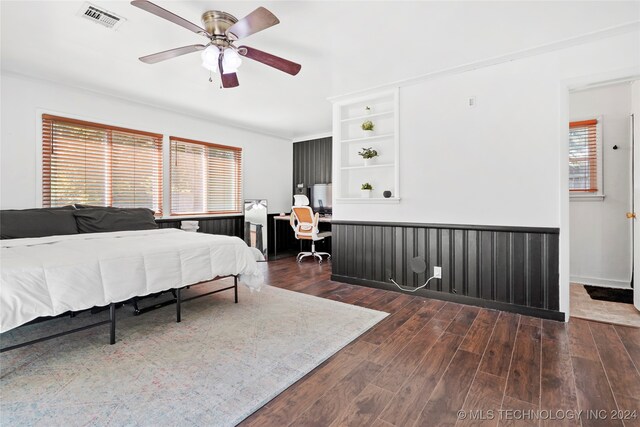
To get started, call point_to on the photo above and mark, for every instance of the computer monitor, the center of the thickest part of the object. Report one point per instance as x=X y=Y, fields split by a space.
x=321 y=197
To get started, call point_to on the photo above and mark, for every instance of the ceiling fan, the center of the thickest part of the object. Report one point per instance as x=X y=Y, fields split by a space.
x=223 y=30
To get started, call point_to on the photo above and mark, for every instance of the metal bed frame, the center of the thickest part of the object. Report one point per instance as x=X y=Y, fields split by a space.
x=178 y=300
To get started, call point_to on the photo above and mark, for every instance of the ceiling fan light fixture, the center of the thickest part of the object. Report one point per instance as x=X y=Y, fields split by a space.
x=210 y=58
x=230 y=61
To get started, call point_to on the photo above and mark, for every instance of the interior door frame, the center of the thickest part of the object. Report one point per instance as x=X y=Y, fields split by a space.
x=635 y=185
x=566 y=87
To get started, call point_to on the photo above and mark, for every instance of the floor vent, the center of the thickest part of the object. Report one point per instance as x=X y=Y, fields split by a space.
x=100 y=16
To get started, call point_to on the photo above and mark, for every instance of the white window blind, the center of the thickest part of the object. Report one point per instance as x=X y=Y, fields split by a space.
x=583 y=156
x=205 y=178
x=95 y=164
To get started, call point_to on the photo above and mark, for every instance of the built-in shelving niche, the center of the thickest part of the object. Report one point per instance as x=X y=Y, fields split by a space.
x=350 y=138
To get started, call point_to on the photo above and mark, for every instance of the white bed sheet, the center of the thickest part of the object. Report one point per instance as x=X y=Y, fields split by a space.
x=47 y=276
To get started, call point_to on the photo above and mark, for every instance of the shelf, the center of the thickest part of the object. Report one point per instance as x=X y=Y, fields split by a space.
x=368 y=138
x=367 y=116
x=350 y=170
x=390 y=200
x=380 y=165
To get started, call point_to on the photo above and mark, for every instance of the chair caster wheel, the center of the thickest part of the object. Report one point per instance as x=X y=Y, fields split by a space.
x=320 y=262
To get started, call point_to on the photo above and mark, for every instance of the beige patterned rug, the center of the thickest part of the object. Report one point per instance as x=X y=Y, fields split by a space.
x=223 y=362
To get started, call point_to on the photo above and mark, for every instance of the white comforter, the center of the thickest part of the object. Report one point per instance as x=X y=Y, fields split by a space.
x=50 y=275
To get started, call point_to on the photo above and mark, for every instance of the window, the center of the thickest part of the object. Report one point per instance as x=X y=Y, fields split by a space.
x=585 y=167
x=90 y=163
x=205 y=178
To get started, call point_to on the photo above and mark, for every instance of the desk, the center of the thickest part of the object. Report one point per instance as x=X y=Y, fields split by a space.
x=325 y=219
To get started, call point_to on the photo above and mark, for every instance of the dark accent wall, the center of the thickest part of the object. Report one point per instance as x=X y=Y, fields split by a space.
x=507 y=268
x=312 y=162
x=234 y=226
x=227 y=225
x=286 y=240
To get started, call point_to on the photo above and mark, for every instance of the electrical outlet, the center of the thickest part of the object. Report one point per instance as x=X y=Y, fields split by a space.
x=437 y=272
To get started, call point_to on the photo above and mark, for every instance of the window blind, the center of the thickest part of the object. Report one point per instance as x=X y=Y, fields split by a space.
x=95 y=164
x=583 y=156
x=205 y=178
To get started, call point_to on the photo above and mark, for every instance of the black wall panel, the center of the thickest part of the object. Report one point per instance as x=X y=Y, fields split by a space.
x=511 y=268
x=234 y=226
x=226 y=225
x=312 y=162
x=285 y=240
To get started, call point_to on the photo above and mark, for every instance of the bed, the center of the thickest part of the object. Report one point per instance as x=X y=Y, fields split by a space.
x=49 y=276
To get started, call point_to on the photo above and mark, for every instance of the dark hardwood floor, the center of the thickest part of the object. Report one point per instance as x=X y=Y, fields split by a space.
x=431 y=359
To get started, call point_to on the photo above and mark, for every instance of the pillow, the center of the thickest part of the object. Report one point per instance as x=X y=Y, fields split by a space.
x=22 y=223
x=79 y=206
x=101 y=220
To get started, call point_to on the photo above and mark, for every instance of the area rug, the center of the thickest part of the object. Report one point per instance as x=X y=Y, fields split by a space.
x=222 y=363
x=610 y=294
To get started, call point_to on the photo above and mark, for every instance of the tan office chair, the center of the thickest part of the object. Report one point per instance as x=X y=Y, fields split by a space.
x=305 y=226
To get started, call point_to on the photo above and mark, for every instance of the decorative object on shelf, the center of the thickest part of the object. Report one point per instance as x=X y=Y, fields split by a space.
x=367 y=127
x=386 y=194
x=365 y=190
x=368 y=109
x=368 y=154
x=300 y=188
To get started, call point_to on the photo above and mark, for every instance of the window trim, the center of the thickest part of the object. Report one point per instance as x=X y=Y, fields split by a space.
x=599 y=195
x=210 y=144
x=46 y=115
x=100 y=125
x=239 y=176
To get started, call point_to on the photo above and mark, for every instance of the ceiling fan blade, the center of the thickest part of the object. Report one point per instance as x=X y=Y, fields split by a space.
x=270 y=60
x=258 y=20
x=228 y=80
x=169 y=16
x=171 y=53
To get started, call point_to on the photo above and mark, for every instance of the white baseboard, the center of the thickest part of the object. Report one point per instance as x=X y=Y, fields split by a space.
x=607 y=283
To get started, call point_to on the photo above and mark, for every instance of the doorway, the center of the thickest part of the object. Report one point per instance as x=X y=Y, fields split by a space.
x=601 y=204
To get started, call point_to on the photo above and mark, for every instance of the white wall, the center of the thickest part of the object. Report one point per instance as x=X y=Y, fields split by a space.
x=498 y=162
x=266 y=174
x=600 y=232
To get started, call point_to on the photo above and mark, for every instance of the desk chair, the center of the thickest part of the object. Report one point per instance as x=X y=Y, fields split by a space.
x=305 y=226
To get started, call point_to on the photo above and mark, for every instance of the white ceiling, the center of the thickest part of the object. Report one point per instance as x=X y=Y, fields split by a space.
x=343 y=47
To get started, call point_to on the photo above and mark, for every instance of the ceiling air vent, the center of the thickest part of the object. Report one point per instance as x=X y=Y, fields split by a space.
x=100 y=16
